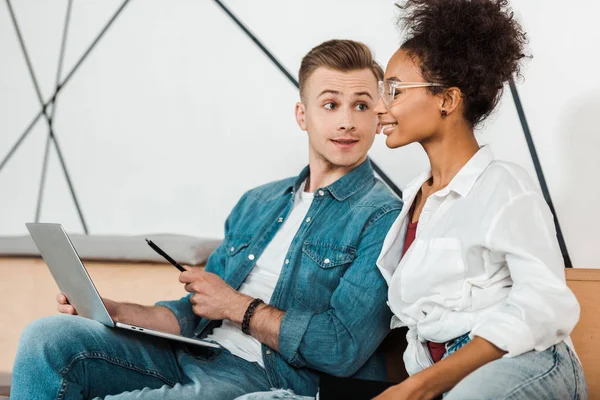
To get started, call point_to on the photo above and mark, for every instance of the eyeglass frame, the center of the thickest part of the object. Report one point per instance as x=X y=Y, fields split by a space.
x=400 y=85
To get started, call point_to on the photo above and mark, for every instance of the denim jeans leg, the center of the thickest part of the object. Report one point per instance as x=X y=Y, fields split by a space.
x=70 y=357
x=551 y=374
x=275 y=394
x=209 y=374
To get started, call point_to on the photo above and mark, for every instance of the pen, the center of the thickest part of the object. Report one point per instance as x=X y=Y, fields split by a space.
x=165 y=255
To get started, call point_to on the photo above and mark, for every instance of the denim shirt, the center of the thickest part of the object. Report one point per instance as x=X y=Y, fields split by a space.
x=333 y=295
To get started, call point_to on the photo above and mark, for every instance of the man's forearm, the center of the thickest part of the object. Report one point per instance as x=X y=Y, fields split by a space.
x=265 y=324
x=153 y=317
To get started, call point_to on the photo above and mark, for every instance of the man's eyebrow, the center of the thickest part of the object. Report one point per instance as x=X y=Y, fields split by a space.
x=330 y=91
x=337 y=93
x=364 y=94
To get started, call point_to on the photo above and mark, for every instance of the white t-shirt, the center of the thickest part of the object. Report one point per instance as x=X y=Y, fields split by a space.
x=261 y=281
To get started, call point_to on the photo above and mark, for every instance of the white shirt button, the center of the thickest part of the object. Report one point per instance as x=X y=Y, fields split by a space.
x=280 y=219
x=321 y=193
x=251 y=257
x=308 y=219
x=287 y=261
x=327 y=261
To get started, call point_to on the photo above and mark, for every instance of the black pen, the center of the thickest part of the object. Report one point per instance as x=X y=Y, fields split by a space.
x=165 y=255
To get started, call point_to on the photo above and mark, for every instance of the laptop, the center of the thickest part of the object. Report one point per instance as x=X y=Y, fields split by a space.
x=74 y=281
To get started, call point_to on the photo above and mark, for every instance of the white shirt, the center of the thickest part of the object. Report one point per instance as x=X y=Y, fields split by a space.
x=485 y=260
x=261 y=281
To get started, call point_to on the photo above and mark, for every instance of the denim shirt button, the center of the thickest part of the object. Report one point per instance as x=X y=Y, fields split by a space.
x=287 y=261
x=251 y=257
x=321 y=193
x=327 y=261
x=280 y=219
x=268 y=352
x=308 y=219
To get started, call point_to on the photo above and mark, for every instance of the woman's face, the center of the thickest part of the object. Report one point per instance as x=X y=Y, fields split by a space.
x=414 y=114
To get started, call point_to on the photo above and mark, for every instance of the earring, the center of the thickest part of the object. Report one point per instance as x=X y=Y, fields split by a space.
x=444 y=113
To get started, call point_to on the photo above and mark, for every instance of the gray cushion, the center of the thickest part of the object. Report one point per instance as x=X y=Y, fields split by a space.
x=184 y=249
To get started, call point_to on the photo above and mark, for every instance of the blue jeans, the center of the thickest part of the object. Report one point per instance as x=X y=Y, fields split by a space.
x=551 y=374
x=70 y=357
x=554 y=374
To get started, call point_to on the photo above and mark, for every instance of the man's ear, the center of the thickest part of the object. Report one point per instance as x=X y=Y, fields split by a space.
x=450 y=100
x=301 y=115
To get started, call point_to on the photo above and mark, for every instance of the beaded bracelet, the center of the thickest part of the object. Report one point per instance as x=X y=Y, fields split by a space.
x=249 y=313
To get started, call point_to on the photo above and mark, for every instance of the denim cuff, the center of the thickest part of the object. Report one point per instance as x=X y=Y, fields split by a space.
x=293 y=327
x=182 y=309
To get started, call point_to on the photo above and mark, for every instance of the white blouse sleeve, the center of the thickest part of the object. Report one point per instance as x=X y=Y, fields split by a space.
x=540 y=310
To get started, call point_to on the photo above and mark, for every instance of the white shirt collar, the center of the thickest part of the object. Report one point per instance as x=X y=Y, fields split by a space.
x=464 y=180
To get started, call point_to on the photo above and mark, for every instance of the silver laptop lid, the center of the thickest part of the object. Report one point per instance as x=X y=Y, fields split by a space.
x=68 y=271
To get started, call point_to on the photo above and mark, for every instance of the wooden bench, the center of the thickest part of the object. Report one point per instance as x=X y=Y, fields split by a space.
x=585 y=283
x=27 y=292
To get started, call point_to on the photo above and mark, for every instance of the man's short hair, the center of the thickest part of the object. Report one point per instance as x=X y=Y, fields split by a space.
x=338 y=55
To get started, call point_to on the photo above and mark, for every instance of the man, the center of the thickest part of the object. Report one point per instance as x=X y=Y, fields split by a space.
x=306 y=246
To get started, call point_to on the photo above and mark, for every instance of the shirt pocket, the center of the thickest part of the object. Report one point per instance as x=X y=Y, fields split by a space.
x=323 y=265
x=433 y=267
x=236 y=244
x=236 y=247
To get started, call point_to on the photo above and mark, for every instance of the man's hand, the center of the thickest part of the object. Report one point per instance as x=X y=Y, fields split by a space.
x=65 y=307
x=212 y=297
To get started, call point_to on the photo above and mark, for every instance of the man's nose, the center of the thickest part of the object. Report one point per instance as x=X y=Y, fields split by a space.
x=347 y=122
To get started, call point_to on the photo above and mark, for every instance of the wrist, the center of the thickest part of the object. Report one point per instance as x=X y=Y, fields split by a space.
x=420 y=386
x=252 y=308
x=114 y=309
x=238 y=308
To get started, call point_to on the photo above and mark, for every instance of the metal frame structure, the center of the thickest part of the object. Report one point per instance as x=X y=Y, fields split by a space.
x=52 y=138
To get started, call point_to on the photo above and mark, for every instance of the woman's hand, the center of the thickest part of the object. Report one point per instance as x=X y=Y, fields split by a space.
x=410 y=389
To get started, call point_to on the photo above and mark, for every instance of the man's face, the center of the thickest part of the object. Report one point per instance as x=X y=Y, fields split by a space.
x=336 y=112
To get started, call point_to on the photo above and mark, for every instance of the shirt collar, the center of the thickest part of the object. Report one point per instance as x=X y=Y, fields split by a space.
x=344 y=187
x=464 y=180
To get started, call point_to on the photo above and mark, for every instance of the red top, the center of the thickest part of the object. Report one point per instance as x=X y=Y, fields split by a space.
x=437 y=350
x=411 y=233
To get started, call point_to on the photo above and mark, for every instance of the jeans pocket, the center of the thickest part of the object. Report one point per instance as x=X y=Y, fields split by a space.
x=581 y=388
x=456 y=344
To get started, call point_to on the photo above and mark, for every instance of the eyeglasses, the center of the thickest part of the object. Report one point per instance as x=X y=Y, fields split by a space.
x=389 y=89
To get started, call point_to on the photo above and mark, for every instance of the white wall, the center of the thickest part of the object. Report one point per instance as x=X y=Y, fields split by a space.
x=176 y=112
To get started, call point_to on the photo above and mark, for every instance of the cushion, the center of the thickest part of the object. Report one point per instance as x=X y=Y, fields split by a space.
x=184 y=249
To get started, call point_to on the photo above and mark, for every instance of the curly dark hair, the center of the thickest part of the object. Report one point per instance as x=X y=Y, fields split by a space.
x=475 y=45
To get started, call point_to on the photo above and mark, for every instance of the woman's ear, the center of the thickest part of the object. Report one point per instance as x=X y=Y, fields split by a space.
x=450 y=100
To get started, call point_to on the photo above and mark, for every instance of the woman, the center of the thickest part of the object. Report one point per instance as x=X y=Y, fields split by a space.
x=472 y=262
x=473 y=265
